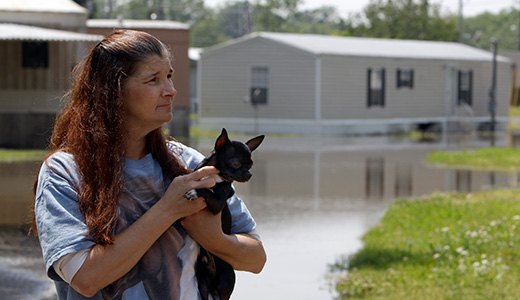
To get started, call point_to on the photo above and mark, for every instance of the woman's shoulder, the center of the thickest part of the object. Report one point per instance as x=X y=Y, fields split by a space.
x=60 y=160
x=60 y=165
x=187 y=155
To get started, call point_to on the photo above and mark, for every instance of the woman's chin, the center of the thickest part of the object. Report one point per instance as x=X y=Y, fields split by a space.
x=167 y=117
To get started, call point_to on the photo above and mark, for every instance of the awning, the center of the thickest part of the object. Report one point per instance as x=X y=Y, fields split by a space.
x=16 y=32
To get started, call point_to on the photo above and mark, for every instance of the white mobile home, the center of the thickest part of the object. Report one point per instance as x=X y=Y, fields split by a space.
x=301 y=83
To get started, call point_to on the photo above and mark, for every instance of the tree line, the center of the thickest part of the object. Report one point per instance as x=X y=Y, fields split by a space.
x=395 y=19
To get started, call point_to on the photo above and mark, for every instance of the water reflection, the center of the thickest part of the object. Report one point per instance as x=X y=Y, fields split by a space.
x=16 y=182
x=403 y=180
x=375 y=177
x=313 y=198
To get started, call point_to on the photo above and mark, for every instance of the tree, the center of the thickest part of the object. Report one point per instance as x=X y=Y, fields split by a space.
x=207 y=31
x=235 y=19
x=272 y=15
x=185 y=11
x=480 y=30
x=102 y=9
x=402 y=19
x=322 y=20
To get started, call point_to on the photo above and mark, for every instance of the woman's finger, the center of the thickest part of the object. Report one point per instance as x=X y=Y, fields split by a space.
x=206 y=182
x=203 y=172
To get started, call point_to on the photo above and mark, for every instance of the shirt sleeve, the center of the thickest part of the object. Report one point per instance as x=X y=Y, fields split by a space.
x=242 y=221
x=254 y=234
x=68 y=265
x=61 y=226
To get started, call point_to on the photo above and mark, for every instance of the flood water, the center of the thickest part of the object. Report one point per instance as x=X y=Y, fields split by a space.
x=312 y=198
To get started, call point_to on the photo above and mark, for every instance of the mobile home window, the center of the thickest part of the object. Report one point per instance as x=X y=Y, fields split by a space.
x=259 y=85
x=376 y=87
x=405 y=78
x=465 y=86
x=35 y=55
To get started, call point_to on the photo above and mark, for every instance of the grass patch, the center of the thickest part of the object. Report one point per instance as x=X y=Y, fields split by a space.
x=494 y=158
x=196 y=132
x=443 y=246
x=8 y=155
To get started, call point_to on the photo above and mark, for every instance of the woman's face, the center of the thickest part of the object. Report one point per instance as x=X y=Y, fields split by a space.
x=148 y=95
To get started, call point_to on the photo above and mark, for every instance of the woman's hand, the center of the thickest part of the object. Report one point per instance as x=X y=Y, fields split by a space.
x=174 y=199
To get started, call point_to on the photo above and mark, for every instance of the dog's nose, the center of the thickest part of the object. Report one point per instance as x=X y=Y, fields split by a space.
x=248 y=176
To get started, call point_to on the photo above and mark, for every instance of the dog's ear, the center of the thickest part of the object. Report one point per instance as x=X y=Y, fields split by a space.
x=222 y=139
x=255 y=142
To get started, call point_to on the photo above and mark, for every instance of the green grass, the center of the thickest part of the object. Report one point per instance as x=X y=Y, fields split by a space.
x=497 y=158
x=8 y=155
x=196 y=132
x=444 y=246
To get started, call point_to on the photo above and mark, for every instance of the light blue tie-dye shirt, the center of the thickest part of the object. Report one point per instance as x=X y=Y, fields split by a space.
x=166 y=271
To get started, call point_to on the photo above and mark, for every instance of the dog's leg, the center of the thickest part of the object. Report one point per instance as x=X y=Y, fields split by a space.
x=223 y=190
x=214 y=202
x=225 y=278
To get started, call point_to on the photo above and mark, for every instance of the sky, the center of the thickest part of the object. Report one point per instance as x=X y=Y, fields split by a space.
x=347 y=7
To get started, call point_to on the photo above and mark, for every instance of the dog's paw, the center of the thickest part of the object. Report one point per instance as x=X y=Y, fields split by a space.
x=191 y=195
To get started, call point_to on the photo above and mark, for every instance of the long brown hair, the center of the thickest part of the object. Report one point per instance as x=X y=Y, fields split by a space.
x=90 y=127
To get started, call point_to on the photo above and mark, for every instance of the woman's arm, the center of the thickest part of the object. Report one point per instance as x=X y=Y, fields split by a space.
x=107 y=263
x=241 y=251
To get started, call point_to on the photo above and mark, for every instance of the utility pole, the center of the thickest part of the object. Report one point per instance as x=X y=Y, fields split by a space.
x=243 y=18
x=247 y=18
x=518 y=29
x=492 y=93
x=461 y=23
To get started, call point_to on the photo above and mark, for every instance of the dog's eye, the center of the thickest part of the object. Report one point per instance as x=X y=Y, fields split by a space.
x=236 y=165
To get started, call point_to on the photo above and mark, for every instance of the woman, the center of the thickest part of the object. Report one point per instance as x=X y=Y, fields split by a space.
x=110 y=209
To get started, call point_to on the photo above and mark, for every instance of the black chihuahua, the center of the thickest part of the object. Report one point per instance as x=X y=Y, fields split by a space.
x=233 y=159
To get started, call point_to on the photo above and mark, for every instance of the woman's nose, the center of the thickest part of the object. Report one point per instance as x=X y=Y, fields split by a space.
x=169 y=90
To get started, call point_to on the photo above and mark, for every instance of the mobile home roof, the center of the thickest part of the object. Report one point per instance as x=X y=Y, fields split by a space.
x=16 y=32
x=48 y=6
x=373 y=47
x=124 y=23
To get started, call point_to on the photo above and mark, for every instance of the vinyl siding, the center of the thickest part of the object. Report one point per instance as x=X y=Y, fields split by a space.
x=482 y=85
x=344 y=88
x=226 y=81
